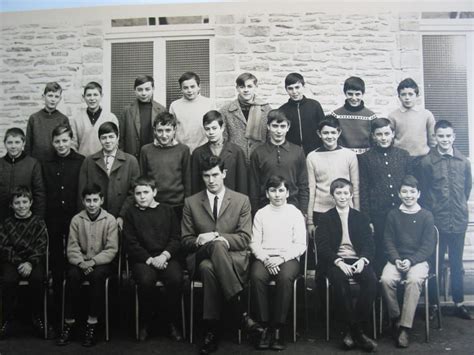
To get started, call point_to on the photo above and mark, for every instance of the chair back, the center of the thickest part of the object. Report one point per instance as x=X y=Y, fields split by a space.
x=435 y=257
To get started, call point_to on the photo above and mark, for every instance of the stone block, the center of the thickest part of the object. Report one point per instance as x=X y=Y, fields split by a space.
x=94 y=42
x=263 y=48
x=20 y=97
x=46 y=62
x=409 y=41
x=287 y=47
x=255 y=66
x=17 y=62
x=224 y=30
x=224 y=45
x=224 y=19
x=225 y=93
x=255 y=31
x=18 y=49
x=89 y=69
x=410 y=59
x=225 y=79
x=62 y=37
x=245 y=58
x=277 y=57
x=303 y=48
x=224 y=63
x=59 y=53
x=93 y=31
x=240 y=46
x=409 y=25
x=93 y=56
x=257 y=40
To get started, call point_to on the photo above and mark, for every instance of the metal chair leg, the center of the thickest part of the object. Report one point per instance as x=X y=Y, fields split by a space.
x=427 y=313
x=183 y=316
x=63 y=302
x=374 y=321
x=295 y=283
x=327 y=309
x=137 y=331
x=45 y=307
x=191 y=313
x=107 y=335
x=380 y=314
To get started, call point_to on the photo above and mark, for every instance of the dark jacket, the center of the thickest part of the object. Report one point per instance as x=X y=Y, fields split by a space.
x=304 y=116
x=446 y=183
x=329 y=236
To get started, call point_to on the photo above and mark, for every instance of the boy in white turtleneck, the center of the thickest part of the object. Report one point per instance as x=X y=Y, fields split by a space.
x=278 y=241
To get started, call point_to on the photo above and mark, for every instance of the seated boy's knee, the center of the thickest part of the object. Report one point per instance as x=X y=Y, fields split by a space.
x=206 y=266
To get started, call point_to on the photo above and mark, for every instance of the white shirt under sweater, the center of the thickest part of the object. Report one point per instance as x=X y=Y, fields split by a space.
x=346 y=249
x=278 y=231
x=324 y=166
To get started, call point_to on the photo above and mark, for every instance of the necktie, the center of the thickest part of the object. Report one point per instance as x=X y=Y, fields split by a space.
x=214 y=209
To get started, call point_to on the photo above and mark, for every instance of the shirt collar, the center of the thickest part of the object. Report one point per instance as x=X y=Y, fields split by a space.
x=156 y=143
x=414 y=108
x=324 y=149
x=211 y=196
x=415 y=209
x=450 y=152
x=285 y=145
x=113 y=154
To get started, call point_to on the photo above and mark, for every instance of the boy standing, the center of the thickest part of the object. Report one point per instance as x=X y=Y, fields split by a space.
x=446 y=182
x=152 y=241
x=189 y=109
x=41 y=124
x=278 y=157
x=354 y=117
x=17 y=168
x=304 y=114
x=409 y=242
x=414 y=126
x=246 y=117
x=86 y=125
x=137 y=119
x=23 y=245
x=168 y=162
x=231 y=154
x=91 y=248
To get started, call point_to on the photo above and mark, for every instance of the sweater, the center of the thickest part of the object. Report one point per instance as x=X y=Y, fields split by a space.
x=85 y=134
x=23 y=170
x=278 y=231
x=171 y=169
x=304 y=116
x=92 y=240
x=189 y=115
x=355 y=126
x=323 y=168
x=409 y=236
x=414 y=130
x=23 y=240
x=38 y=133
x=286 y=160
x=148 y=232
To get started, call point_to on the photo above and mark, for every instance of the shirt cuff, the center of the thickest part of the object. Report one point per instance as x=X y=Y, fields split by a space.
x=366 y=261
x=337 y=260
x=149 y=260
x=167 y=254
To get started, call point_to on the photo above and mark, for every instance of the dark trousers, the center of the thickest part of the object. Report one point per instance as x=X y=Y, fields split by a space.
x=10 y=276
x=146 y=277
x=380 y=257
x=260 y=277
x=454 y=244
x=219 y=279
x=343 y=294
x=75 y=277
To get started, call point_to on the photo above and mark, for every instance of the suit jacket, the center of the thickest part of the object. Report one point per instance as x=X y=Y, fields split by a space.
x=129 y=124
x=329 y=236
x=234 y=223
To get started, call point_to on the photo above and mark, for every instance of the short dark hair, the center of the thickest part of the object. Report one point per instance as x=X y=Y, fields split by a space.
x=52 y=86
x=242 y=78
x=14 y=132
x=294 y=78
x=408 y=83
x=277 y=115
x=188 y=76
x=60 y=129
x=91 y=189
x=21 y=191
x=212 y=116
x=339 y=183
x=275 y=181
x=145 y=180
x=380 y=122
x=330 y=121
x=354 y=83
x=409 y=180
x=443 y=124
x=142 y=79
x=91 y=86
x=211 y=161
x=108 y=127
x=165 y=118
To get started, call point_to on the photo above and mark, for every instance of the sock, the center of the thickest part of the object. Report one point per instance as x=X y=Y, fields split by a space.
x=211 y=325
x=70 y=321
x=92 y=320
x=460 y=304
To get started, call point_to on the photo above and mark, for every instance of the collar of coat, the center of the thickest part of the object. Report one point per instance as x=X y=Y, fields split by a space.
x=436 y=157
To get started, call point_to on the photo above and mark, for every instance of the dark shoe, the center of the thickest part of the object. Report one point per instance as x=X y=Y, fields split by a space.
x=263 y=342
x=66 y=335
x=403 y=340
x=463 y=313
x=89 y=336
x=363 y=342
x=277 y=340
x=433 y=311
x=251 y=327
x=38 y=326
x=348 y=342
x=4 y=330
x=174 y=333
x=143 y=333
x=209 y=345
x=395 y=327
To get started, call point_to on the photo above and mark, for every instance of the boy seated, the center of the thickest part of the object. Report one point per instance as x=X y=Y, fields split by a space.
x=85 y=126
x=278 y=241
x=168 y=162
x=23 y=246
x=303 y=113
x=346 y=250
x=152 y=241
x=354 y=117
x=17 y=168
x=235 y=166
x=409 y=243
x=41 y=124
x=91 y=248
x=189 y=109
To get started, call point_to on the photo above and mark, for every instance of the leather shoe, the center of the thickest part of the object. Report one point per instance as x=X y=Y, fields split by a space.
x=250 y=326
x=363 y=342
x=403 y=340
x=66 y=335
x=277 y=340
x=143 y=333
x=89 y=336
x=174 y=333
x=463 y=312
x=209 y=345
x=4 y=330
x=348 y=342
x=263 y=342
x=433 y=311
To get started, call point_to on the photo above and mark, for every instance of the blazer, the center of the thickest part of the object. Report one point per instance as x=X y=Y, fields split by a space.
x=129 y=127
x=329 y=236
x=234 y=223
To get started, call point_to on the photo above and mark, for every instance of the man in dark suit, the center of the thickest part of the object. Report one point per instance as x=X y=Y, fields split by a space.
x=216 y=230
x=346 y=249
